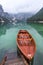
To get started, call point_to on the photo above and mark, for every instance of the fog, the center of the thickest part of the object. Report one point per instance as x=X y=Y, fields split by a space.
x=16 y=6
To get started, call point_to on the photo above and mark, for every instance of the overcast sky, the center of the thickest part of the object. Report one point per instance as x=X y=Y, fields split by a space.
x=15 y=6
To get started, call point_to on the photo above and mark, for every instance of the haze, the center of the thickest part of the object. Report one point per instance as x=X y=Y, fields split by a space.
x=16 y=6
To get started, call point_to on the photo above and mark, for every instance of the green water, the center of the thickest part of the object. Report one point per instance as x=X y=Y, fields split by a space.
x=8 y=41
x=38 y=27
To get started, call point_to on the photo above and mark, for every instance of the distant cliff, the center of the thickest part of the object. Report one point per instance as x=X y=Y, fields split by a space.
x=4 y=16
x=1 y=10
x=37 y=17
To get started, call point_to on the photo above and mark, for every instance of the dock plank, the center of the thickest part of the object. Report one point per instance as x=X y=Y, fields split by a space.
x=13 y=59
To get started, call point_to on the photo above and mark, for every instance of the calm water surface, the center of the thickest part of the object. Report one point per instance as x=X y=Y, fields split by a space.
x=8 y=41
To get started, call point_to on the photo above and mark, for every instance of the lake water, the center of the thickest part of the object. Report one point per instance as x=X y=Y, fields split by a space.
x=8 y=41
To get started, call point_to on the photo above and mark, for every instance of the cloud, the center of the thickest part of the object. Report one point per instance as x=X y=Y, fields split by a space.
x=15 y=6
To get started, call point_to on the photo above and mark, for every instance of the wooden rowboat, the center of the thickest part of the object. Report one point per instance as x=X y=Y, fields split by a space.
x=26 y=44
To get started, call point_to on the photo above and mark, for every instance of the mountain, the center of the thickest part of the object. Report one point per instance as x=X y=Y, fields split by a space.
x=1 y=10
x=23 y=15
x=4 y=16
x=37 y=17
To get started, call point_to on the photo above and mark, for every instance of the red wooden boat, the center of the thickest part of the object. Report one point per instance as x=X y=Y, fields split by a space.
x=26 y=44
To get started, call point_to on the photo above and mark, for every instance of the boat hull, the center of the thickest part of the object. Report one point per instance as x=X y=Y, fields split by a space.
x=27 y=49
x=26 y=61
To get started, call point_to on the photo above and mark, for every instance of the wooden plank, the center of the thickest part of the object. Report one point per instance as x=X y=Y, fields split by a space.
x=24 y=60
x=13 y=59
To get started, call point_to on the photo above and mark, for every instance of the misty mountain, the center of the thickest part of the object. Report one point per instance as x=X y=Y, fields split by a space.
x=23 y=15
x=37 y=17
x=4 y=14
x=1 y=10
x=5 y=18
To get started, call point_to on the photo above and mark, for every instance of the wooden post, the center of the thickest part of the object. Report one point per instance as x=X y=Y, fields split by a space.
x=4 y=60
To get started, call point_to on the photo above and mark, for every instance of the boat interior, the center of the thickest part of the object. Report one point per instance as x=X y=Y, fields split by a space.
x=24 y=38
x=26 y=43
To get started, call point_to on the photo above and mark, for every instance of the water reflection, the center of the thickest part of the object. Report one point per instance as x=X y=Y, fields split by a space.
x=38 y=27
x=8 y=26
x=41 y=33
x=4 y=28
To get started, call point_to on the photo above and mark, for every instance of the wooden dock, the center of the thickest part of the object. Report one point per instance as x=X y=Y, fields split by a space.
x=14 y=59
